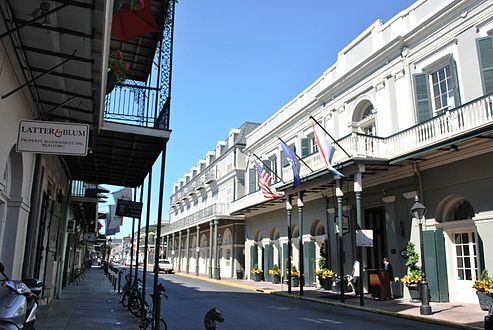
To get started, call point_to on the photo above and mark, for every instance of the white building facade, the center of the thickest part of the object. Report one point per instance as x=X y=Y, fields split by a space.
x=203 y=237
x=409 y=103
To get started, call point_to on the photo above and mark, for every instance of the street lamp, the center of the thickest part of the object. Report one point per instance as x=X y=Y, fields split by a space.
x=218 y=261
x=418 y=211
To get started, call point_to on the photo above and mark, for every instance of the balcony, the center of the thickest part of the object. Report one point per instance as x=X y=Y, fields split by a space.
x=63 y=60
x=204 y=215
x=473 y=118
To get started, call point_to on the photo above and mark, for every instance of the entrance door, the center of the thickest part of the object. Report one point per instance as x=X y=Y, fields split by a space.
x=466 y=265
x=375 y=220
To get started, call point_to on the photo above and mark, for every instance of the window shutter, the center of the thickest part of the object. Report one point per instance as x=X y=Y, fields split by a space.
x=455 y=81
x=485 y=51
x=273 y=167
x=284 y=160
x=252 y=181
x=422 y=95
x=305 y=147
x=267 y=166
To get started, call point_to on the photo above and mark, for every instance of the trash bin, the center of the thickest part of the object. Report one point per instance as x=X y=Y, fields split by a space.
x=240 y=274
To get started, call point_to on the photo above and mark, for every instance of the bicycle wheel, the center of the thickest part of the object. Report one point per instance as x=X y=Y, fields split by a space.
x=151 y=324
x=135 y=303
x=124 y=298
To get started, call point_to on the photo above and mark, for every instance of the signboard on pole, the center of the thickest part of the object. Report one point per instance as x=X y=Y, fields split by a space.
x=364 y=238
x=49 y=137
x=130 y=209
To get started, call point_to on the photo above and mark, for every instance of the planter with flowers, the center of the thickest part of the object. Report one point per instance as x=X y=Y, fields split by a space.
x=257 y=273
x=275 y=272
x=325 y=277
x=484 y=290
x=295 y=276
x=117 y=70
x=412 y=280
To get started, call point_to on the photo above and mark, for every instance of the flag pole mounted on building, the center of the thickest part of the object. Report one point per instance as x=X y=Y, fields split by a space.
x=268 y=167
x=264 y=182
x=327 y=151
x=299 y=158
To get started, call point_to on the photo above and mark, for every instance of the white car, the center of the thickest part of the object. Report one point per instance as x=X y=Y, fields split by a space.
x=165 y=266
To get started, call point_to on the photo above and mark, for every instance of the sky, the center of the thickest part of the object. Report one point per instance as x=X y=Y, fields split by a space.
x=237 y=61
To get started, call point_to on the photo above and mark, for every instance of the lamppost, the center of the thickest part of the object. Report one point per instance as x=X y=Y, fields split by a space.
x=418 y=211
x=218 y=260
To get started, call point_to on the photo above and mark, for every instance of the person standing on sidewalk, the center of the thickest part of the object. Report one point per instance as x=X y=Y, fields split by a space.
x=355 y=277
x=387 y=266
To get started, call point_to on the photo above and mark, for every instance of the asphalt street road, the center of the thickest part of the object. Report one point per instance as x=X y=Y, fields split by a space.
x=190 y=299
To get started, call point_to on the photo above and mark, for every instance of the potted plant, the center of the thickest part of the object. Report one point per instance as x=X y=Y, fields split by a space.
x=275 y=272
x=413 y=279
x=295 y=276
x=117 y=70
x=257 y=273
x=325 y=277
x=484 y=290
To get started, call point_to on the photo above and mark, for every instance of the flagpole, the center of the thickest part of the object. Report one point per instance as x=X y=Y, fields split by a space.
x=268 y=167
x=323 y=128
x=299 y=158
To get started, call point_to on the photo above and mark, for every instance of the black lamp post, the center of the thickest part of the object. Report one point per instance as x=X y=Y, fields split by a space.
x=418 y=211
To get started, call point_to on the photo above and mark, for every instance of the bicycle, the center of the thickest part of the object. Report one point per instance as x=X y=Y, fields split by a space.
x=148 y=321
x=127 y=290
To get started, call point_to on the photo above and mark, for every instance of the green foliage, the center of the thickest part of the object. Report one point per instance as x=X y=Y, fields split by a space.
x=322 y=262
x=412 y=259
x=414 y=276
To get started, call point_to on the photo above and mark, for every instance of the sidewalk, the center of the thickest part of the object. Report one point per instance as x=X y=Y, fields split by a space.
x=458 y=315
x=91 y=305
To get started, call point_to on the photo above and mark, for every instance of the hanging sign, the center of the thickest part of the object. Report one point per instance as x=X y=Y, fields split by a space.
x=48 y=137
x=130 y=209
x=364 y=238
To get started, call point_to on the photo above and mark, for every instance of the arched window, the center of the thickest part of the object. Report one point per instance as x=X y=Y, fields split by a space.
x=463 y=210
x=364 y=117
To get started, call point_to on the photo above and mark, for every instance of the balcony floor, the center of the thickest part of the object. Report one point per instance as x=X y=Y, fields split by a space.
x=117 y=158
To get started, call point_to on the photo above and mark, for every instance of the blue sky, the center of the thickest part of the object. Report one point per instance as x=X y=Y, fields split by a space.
x=237 y=61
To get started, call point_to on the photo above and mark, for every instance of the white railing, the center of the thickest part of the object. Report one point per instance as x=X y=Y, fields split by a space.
x=196 y=218
x=455 y=122
x=471 y=116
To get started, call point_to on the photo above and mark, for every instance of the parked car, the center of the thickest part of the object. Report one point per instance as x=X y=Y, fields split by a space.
x=165 y=266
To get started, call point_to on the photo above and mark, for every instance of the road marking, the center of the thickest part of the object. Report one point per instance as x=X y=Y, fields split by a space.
x=330 y=321
x=321 y=320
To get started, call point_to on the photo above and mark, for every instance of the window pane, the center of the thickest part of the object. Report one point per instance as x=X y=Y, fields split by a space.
x=468 y=274
x=466 y=250
x=458 y=250
x=467 y=262
x=465 y=238
x=460 y=273
x=457 y=239
x=460 y=264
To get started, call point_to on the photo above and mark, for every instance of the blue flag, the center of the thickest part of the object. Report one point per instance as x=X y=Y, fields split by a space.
x=295 y=163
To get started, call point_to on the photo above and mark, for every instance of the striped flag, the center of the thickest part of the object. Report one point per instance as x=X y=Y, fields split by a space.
x=264 y=182
x=325 y=149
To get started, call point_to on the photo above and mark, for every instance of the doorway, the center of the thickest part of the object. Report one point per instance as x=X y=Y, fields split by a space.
x=375 y=220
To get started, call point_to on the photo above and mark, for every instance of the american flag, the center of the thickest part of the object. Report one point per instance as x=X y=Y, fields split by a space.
x=264 y=182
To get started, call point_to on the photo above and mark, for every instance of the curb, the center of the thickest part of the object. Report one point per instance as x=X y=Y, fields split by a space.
x=338 y=304
x=237 y=285
x=380 y=311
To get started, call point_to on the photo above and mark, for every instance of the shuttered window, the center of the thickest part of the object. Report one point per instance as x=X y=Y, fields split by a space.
x=422 y=95
x=485 y=50
x=252 y=181
x=305 y=147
